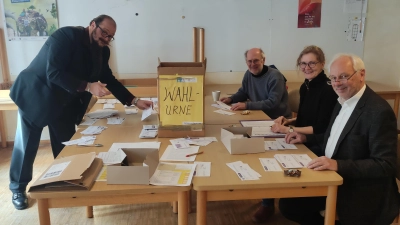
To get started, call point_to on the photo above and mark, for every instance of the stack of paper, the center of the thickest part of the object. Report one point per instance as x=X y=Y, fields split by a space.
x=111 y=158
x=115 y=120
x=220 y=111
x=264 y=132
x=244 y=171
x=102 y=113
x=93 y=130
x=109 y=106
x=149 y=131
x=130 y=109
x=257 y=123
x=108 y=101
x=89 y=122
x=83 y=140
x=173 y=174
x=291 y=161
x=202 y=141
x=223 y=105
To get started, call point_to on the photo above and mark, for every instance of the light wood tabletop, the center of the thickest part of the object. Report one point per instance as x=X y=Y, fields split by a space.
x=223 y=184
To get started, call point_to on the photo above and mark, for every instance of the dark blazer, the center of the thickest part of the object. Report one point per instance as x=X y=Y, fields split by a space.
x=57 y=77
x=366 y=155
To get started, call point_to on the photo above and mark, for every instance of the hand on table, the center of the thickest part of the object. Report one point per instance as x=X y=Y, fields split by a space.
x=98 y=89
x=323 y=163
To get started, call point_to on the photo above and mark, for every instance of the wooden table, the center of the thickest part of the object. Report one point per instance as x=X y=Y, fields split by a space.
x=103 y=194
x=223 y=184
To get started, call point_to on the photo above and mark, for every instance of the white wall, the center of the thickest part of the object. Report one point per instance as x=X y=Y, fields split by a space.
x=381 y=53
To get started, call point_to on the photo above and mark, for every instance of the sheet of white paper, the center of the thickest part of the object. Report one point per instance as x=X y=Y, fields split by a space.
x=81 y=140
x=108 y=106
x=223 y=112
x=172 y=154
x=93 y=130
x=88 y=121
x=203 y=169
x=115 y=120
x=287 y=161
x=110 y=158
x=129 y=111
x=179 y=143
x=263 y=132
x=243 y=171
x=55 y=170
x=150 y=127
x=257 y=123
x=146 y=133
x=102 y=113
x=223 y=105
x=303 y=159
x=270 y=164
x=271 y=145
x=284 y=145
x=115 y=146
x=146 y=113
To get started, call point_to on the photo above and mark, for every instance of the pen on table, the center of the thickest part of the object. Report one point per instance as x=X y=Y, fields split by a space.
x=197 y=153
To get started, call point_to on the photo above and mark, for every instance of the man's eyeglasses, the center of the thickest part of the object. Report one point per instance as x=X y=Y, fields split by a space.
x=341 y=78
x=309 y=64
x=254 y=61
x=105 y=34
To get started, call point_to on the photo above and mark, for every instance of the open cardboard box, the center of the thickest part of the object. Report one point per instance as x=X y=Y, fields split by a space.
x=238 y=141
x=137 y=167
x=76 y=172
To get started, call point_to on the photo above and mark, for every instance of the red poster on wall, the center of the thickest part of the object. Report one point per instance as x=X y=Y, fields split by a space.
x=309 y=13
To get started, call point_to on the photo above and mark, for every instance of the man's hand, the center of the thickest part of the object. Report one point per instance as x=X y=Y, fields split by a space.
x=144 y=104
x=278 y=128
x=99 y=89
x=294 y=137
x=226 y=100
x=281 y=120
x=238 y=106
x=323 y=163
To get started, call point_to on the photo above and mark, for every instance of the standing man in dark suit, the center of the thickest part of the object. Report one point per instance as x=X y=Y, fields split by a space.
x=360 y=145
x=55 y=90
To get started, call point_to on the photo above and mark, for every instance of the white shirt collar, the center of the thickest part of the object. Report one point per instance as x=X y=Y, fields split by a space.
x=353 y=100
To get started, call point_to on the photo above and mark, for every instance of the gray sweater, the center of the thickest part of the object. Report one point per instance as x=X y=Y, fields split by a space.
x=266 y=92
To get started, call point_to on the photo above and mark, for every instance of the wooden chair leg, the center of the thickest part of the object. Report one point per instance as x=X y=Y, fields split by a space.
x=175 y=207
x=89 y=211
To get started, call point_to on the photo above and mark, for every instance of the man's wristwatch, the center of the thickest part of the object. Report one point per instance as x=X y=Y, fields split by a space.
x=135 y=100
x=291 y=129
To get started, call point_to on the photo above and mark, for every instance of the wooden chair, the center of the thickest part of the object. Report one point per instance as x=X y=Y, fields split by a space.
x=294 y=101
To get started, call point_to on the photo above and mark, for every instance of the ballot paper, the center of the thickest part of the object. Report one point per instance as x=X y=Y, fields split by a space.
x=270 y=164
x=111 y=158
x=179 y=143
x=271 y=145
x=244 y=171
x=173 y=174
x=88 y=122
x=93 y=130
x=108 y=106
x=223 y=105
x=131 y=110
x=149 y=131
x=146 y=113
x=264 y=132
x=223 y=112
x=257 y=123
x=102 y=113
x=203 y=169
x=284 y=145
x=115 y=120
x=107 y=101
x=81 y=140
x=292 y=161
x=172 y=154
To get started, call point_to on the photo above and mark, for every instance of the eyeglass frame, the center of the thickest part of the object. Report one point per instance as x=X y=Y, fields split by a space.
x=105 y=34
x=342 y=80
x=308 y=64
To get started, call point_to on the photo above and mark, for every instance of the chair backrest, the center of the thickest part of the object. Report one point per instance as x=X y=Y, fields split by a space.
x=398 y=157
x=294 y=100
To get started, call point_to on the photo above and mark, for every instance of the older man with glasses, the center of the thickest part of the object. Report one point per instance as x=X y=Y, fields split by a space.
x=55 y=90
x=263 y=86
x=360 y=144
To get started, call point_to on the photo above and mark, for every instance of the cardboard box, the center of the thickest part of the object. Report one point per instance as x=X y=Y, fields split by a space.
x=181 y=99
x=137 y=167
x=231 y=138
x=76 y=172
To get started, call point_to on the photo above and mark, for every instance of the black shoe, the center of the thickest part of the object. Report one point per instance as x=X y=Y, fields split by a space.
x=20 y=200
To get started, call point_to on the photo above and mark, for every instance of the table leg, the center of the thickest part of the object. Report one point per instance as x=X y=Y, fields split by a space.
x=330 y=208
x=175 y=207
x=89 y=211
x=201 y=217
x=182 y=208
x=44 y=214
x=189 y=201
x=3 y=131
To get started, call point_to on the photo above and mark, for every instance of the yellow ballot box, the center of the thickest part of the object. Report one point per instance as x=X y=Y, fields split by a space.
x=180 y=87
